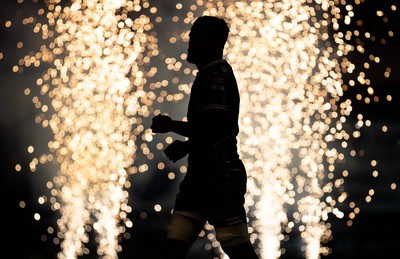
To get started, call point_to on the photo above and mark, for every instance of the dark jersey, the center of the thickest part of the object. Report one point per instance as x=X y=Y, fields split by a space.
x=215 y=182
x=213 y=109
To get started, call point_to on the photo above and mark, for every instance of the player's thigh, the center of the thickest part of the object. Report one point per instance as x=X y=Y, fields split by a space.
x=185 y=225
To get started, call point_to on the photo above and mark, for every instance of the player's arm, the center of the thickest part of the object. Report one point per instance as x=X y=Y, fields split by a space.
x=215 y=122
x=164 y=124
x=180 y=127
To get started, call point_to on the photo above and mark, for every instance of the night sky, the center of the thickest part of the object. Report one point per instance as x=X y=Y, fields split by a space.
x=374 y=231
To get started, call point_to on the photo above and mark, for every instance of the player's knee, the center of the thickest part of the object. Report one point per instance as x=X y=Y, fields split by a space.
x=232 y=235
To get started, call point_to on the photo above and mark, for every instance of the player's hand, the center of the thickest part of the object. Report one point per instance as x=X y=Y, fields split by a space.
x=176 y=150
x=161 y=124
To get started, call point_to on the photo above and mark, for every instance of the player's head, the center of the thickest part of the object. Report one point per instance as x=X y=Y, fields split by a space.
x=208 y=36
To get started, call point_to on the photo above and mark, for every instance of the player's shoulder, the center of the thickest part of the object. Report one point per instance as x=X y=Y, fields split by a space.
x=222 y=67
x=220 y=71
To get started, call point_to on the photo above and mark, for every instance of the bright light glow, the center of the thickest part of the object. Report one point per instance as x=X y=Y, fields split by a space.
x=289 y=70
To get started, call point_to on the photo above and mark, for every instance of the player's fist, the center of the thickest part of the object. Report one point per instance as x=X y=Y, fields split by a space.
x=161 y=124
x=176 y=150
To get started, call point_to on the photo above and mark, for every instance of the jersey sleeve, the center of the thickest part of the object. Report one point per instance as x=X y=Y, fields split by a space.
x=216 y=92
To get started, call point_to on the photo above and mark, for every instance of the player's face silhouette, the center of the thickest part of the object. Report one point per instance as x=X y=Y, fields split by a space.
x=198 y=47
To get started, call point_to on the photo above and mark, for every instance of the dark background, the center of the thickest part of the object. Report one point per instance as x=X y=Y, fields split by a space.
x=373 y=233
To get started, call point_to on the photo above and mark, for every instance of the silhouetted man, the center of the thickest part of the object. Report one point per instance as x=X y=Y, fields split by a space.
x=215 y=184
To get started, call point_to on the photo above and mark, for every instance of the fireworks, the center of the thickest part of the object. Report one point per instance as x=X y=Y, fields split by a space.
x=108 y=73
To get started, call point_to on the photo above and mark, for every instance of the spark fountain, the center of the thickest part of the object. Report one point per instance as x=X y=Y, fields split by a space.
x=289 y=88
x=96 y=86
x=290 y=73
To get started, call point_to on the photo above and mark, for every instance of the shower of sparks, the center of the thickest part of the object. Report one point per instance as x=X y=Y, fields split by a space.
x=289 y=89
x=290 y=78
x=95 y=86
x=290 y=71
